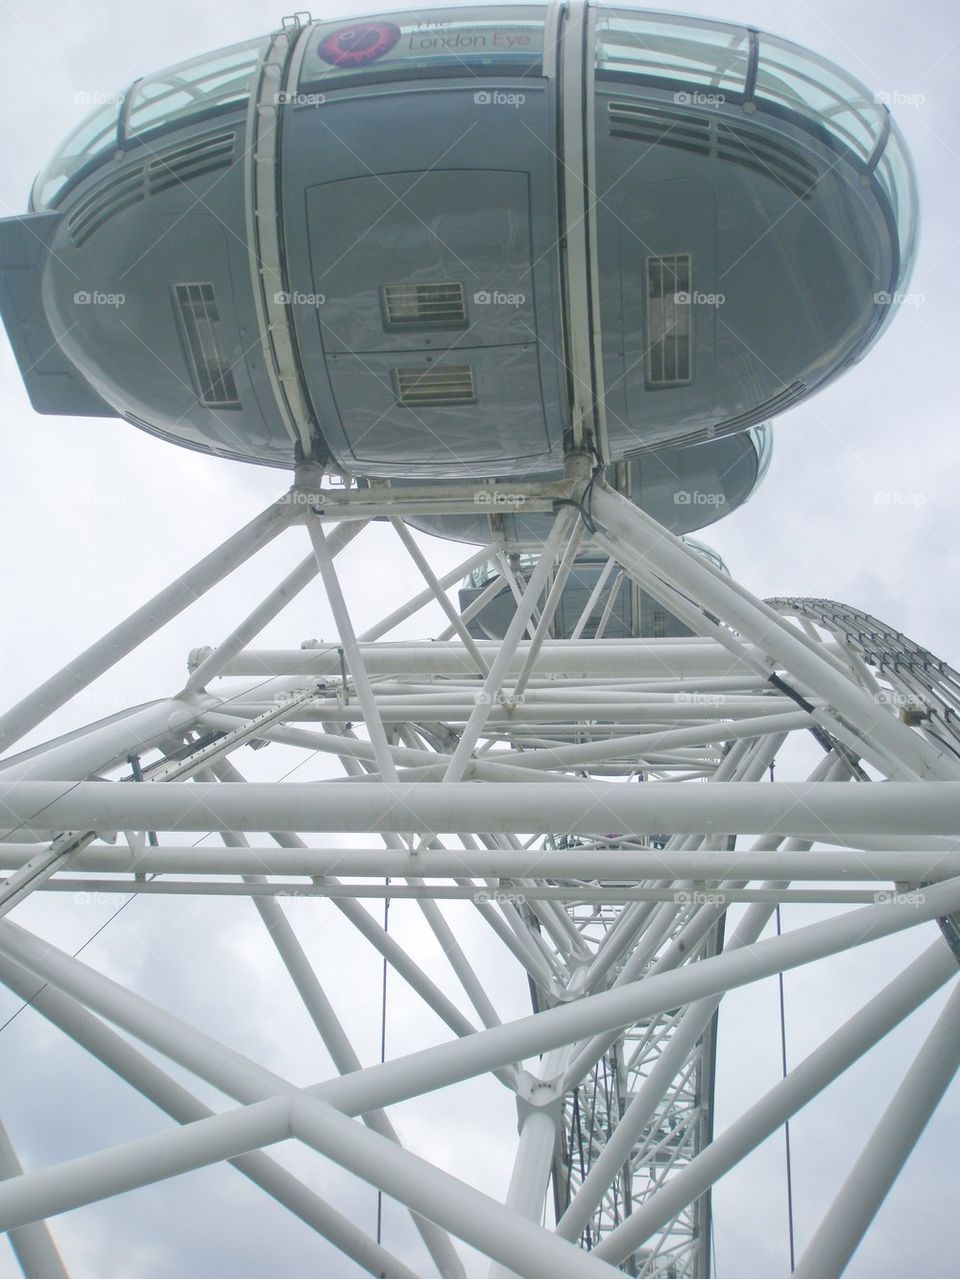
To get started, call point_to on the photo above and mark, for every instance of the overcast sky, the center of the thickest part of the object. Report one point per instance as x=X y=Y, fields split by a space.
x=860 y=505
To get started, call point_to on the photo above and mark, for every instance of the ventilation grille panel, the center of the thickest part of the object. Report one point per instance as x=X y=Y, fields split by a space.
x=167 y=169
x=754 y=150
x=424 y=306
x=654 y=125
x=658 y=126
x=669 y=336
x=107 y=199
x=446 y=384
x=190 y=160
x=200 y=321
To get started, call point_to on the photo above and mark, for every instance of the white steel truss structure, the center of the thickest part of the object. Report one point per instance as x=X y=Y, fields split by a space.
x=598 y=803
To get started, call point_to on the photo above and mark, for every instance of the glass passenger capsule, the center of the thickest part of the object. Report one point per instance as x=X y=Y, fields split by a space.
x=350 y=241
x=618 y=608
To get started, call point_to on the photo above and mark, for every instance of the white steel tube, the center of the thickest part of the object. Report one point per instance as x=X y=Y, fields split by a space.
x=32 y=1244
x=593 y=597
x=549 y=609
x=331 y=1031
x=640 y=745
x=500 y=665
x=631 y=659
x=846 y=866
x=433 y=1068
x=428 y=575
x=142 y=1162
x=267 y=610
x=126 y=1061
x=664 y=552
x=234 y=1133
x=525 y=1248
x=629 y=715
x=396 y=956
x=869 y=1181
x=90 y=751
x=837 y=1053
x=650 y=1092
x=425 y=597
x=538 y=896
x=608 y=606
x=442 y=931
x=814 y=810
x=531 y=1172
x=489 y=1049
x=143 y=623
x=492 y=589
x=361 y=682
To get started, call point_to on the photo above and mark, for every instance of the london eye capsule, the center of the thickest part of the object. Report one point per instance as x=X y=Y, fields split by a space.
x=595 y=602
x=351 y=242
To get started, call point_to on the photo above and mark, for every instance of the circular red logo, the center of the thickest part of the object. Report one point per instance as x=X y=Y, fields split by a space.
x=356 y=46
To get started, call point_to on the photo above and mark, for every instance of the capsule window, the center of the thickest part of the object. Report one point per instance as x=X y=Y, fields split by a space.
x=200 y=322
x=669 y=311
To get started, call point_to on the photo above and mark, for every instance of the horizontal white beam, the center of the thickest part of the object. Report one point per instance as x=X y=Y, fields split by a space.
x=511 y=892
x=626 y=865
x=631 y=714
x=575 y=659
x=814 y=810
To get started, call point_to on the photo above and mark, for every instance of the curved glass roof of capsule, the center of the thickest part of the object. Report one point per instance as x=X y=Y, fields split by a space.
x=706 y=553
x=693 y=55
x=762 y=437
x=526 y=561
x=212 y=84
